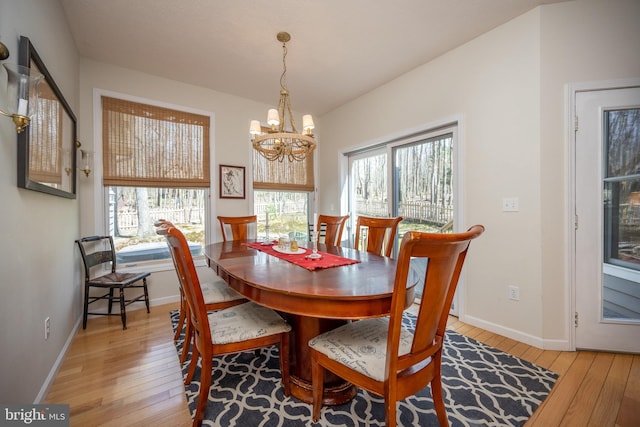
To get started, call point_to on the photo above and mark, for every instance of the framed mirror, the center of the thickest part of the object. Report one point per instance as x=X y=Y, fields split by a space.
x=47 y=147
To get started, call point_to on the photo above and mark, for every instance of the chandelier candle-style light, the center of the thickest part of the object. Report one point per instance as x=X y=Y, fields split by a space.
x=280 y=140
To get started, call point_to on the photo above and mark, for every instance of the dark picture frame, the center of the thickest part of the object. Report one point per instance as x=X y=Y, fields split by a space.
x=47 y=147
x=232 y=182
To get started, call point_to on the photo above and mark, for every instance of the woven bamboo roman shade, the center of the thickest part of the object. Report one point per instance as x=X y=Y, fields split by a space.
x=283 y=176
x=149 y=146
x=45 y=146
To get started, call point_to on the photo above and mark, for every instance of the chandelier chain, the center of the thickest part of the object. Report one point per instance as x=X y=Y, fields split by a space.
x=283 y=77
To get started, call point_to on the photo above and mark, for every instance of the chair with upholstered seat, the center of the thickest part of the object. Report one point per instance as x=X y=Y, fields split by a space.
x=382 y=356
x=217 y=295
x=376 y=235
x=99 y=255
x=330 y=229
x=243 y=327
x=238 y=227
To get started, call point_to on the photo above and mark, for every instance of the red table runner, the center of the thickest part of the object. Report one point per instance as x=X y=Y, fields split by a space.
x=327 y=260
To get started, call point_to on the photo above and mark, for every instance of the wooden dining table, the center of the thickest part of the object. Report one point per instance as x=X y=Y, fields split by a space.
x=313 y=302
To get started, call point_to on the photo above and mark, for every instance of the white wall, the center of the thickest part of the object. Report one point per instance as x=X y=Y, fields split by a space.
x=508 y=87
x=39 y=267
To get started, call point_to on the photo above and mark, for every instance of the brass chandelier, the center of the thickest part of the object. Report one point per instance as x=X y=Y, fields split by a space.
x=279 y=141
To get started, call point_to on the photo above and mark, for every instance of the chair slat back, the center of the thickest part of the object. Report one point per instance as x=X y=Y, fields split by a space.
x=95 y=251
x=331 y=228
x=376 y=235
x=100 y=257
x=238 y=227
x=446 y=254
x=188 y=281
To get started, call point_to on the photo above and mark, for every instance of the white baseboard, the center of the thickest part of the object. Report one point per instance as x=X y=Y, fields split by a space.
x=56 y=366
x=164 y=300
x=138 y=305
x=561 y=345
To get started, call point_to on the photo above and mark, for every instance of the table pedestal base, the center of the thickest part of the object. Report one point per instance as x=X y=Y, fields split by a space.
x=333 y=395
x=336 y=390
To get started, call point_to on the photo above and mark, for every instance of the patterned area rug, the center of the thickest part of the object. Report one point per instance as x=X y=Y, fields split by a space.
x=483 y=386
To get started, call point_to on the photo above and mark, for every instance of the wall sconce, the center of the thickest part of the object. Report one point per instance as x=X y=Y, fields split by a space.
x=86 y=160
x=22 y=93
x=85 y=163
x=4 y=52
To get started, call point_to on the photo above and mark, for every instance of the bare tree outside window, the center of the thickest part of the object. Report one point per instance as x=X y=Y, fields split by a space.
x=422 y=182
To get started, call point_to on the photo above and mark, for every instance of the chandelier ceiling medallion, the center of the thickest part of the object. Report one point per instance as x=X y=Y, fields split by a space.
x=281 y=141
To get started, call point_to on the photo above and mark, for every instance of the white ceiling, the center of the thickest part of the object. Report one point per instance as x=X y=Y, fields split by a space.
x=340 y=49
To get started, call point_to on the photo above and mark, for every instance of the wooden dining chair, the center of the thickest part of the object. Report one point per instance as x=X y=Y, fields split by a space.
x=380 y=355
x=243 y=327
x=376 y=235
x=238 y=227
x=217 y=295
x=99 y=255
x=330 y=229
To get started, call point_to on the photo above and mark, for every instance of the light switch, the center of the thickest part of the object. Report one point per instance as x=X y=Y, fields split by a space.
x=510 y=204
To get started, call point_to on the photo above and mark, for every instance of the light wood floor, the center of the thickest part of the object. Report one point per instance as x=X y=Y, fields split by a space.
x=123 y=378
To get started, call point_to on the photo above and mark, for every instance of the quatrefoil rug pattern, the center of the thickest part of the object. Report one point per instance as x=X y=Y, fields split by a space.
x=482 y=386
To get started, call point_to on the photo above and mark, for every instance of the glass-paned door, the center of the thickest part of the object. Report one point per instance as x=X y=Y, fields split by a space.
x=607 y=236
x=368 y=184
x=423 y=185
x=413 y=178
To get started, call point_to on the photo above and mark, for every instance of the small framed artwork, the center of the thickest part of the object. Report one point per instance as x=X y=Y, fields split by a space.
x=232 y=182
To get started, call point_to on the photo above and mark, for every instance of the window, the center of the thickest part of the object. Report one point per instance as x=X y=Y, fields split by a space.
x=133 y=210
x=282 y=193
x=412 y=178
x=288 y=213
x=155 y=165
x=622 y=188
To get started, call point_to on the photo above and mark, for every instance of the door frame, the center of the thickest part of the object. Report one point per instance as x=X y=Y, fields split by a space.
x=571 y=90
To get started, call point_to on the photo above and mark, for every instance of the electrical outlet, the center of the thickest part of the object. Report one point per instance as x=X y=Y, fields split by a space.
x=514 y=293
x=47 y=327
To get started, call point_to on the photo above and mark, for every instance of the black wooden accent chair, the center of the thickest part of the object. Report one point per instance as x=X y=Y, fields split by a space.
x=97 y=251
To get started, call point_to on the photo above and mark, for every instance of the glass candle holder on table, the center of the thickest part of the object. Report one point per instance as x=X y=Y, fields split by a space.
x=314 y=246
x=267 y=239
